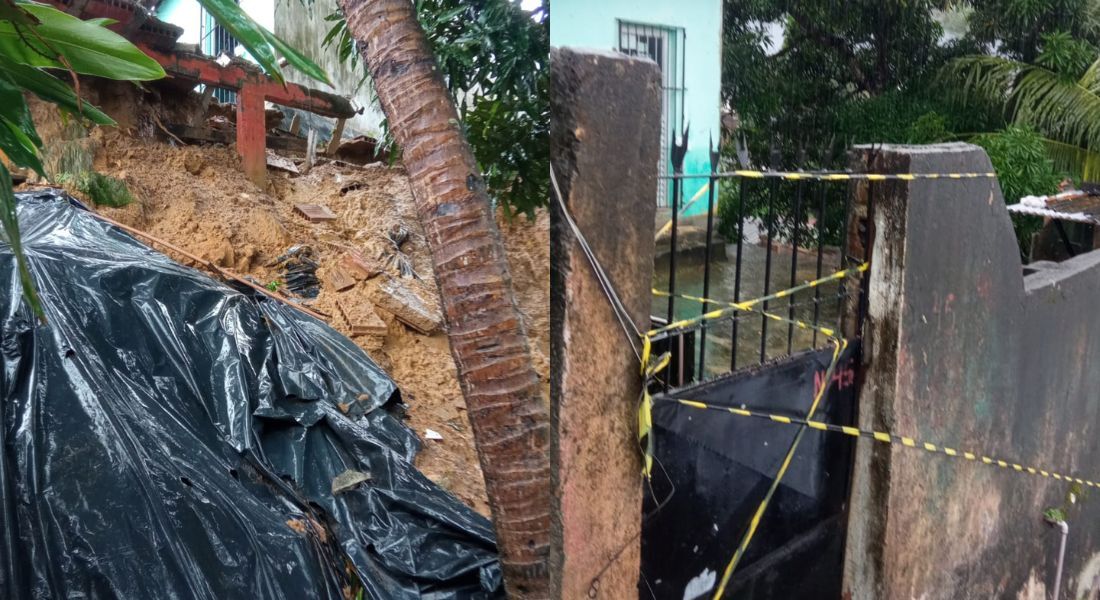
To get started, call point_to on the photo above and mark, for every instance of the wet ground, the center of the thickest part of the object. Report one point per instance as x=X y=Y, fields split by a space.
x=781 y=339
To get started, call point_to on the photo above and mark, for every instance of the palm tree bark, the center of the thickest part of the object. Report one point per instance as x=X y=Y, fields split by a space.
x=504 y=399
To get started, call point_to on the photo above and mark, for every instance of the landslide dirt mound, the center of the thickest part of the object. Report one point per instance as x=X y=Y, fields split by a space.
x=197 y=198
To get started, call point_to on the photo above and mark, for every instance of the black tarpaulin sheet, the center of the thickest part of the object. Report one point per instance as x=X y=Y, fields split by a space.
x=713 y=468
x=167 y=436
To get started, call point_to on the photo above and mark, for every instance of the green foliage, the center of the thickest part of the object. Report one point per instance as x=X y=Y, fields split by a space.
x=69 y=162
x=1020 y=160
x=892 y=117
x=62 y=41
x=102 y=189
x=1076 y=494
x=10 y=224
x=1062 y=109
x=273 y=286
x=778 y=202
x=1017 y=27
x=34 y=38
x=494 y=58
x=37 y=40
x=1019 y=157
x=18 y=138
x=1063 y=54
x=875 y=72
x=797 y=99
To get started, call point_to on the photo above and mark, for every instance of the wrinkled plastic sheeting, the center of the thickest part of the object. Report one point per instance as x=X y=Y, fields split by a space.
x=167 y=436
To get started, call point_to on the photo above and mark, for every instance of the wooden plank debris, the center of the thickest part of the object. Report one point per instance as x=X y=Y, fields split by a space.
x=407 y=306
x=315 y=213
x=337 y=135
x=274 y=161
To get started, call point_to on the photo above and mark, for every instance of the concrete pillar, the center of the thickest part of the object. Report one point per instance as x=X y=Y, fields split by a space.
x=252 y=133
x=605 y=147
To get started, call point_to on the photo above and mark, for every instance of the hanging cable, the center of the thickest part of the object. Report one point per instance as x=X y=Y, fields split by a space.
x=617 y=307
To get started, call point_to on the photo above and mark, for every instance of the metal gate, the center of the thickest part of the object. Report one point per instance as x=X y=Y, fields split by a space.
x=711 y=468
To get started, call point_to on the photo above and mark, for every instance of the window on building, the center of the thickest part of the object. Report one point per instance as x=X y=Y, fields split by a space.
x=665 y=46
x=215 y=40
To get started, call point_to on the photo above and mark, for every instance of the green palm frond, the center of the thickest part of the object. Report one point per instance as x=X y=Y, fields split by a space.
x=1062 y=109
x=1091 y=79
x=1058 y=107
x=982 y=78
x=1074 y=160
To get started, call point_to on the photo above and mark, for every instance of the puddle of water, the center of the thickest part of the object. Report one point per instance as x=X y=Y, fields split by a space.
x=689 y=280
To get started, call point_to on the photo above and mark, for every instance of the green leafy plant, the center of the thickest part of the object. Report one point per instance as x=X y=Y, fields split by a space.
x=273 y=286
x=494 y=57
x=69 y=159
x=1076 y=494
x=1064 y=108
x=1023 y=168
x=261 y=44
x=1054 y=515
x=39 y=41
x=104 y=190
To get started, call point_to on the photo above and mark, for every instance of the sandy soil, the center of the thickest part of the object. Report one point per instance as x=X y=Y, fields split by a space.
x=196 y=197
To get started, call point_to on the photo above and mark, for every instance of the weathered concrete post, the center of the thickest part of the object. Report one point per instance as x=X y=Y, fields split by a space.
x=965 y=352
x=605 y=129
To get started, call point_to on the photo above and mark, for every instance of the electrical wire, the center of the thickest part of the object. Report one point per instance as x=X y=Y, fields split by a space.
x=617 y=307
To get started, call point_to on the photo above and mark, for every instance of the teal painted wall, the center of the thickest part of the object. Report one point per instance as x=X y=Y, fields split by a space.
x=588 y=24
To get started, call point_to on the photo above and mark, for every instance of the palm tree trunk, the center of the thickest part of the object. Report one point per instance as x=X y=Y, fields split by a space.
x=507 y=410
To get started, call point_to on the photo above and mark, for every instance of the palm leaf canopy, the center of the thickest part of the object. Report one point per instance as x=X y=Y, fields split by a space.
x=1064 y=109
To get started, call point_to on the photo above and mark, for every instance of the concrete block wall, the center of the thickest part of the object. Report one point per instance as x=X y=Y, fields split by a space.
x=963 y=350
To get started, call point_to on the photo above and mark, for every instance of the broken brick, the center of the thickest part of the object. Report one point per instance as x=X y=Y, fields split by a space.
x=361 y=268
x=315 y=213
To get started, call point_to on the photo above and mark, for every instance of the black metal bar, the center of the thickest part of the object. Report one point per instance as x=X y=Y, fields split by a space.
x=1065 y=238
x=672 y=251
x=742 y=184
x=796 y=226
x=682 y=75
x=770 y=224
x=706 y=256
x=820 y=253
x=870 y=221
x=677 y=153
x=842 y=288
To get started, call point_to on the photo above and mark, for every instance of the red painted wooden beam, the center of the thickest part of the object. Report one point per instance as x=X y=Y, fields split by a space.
x=203 y=69
x=154 y=37
x=253 y=87
x=252 y=133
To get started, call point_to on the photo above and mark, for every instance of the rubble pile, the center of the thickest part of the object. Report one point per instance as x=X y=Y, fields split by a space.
x=373 y=275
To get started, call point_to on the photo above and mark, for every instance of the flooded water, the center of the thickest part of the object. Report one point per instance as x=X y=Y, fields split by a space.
x=719 y=337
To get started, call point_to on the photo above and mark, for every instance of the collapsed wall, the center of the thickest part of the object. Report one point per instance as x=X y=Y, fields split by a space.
x=963 y=350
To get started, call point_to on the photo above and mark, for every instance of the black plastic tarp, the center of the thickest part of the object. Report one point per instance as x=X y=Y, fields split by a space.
x=712 y=469
x=164 y=436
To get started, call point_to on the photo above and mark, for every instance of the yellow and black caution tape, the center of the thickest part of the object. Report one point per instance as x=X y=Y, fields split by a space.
x=815 y=176
x=649 y=373
x=890 y=438
x=746 y=538
x=698 y=194
x=842 y=176
x=747 y=305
